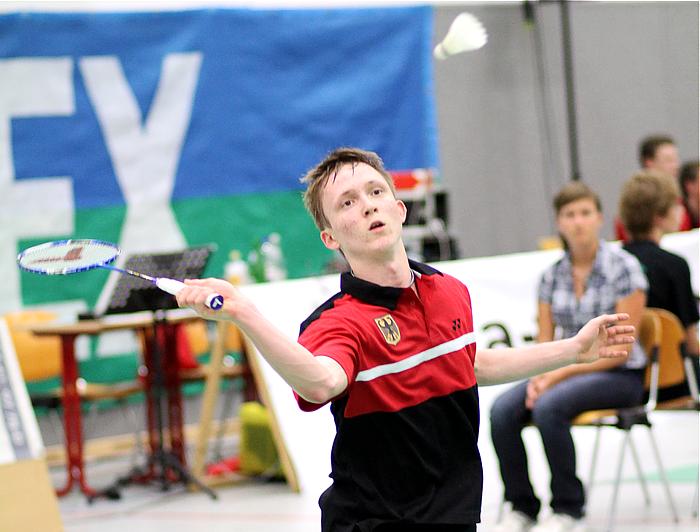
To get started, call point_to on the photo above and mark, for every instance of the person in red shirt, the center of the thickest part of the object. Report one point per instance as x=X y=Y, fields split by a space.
x=656 y=153
x=659 y=153
x=394 y=353
x=688 y=180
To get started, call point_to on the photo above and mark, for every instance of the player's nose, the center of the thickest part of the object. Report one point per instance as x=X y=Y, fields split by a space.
x=369 y=206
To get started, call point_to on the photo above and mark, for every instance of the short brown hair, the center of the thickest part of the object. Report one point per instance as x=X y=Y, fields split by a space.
x=644 y=196
x=574 y=191
x=649 y=145
x=318 y=176
x=689 y=172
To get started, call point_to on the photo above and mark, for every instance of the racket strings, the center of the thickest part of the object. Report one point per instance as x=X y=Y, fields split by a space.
x=67 y=256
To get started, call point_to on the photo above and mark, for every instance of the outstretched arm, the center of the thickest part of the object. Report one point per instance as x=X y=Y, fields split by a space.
x=315 y=378
x=602 y=337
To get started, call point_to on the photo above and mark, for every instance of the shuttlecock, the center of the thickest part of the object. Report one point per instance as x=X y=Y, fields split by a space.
x=465 y=35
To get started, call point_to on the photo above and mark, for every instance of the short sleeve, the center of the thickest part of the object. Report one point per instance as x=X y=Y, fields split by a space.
x=628 y=276
x=683 y=294
x=334 y=339
x=545 y=289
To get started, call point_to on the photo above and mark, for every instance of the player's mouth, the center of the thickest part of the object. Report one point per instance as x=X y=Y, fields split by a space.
x=375 y=226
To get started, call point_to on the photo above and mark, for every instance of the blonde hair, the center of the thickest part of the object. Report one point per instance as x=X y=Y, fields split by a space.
x=645 y=195
x=316 y=178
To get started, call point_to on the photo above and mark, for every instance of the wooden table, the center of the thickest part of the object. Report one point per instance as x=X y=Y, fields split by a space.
x=164 y=324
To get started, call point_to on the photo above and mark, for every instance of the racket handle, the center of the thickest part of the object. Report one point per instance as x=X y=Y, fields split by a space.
x=172 y=286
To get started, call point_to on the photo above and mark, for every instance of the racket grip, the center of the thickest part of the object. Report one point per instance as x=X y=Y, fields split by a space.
x=172 y=286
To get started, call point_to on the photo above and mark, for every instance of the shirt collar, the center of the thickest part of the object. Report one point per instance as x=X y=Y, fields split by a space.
x=374 y=294
x=600 y=265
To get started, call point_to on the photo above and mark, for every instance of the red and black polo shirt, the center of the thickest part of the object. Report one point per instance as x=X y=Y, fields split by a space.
x=407 y=424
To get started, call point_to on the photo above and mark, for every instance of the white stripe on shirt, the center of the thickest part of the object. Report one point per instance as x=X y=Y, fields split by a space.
x=414 y=360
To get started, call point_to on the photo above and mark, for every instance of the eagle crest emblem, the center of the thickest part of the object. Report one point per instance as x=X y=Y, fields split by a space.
x=389 y=329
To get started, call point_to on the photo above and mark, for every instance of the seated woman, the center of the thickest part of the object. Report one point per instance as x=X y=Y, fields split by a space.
x=592 y=277
x=649 y=208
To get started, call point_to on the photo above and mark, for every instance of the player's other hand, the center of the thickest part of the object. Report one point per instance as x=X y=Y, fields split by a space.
x=604 y=337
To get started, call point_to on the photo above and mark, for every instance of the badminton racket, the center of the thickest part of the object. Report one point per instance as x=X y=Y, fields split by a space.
x=63 y=257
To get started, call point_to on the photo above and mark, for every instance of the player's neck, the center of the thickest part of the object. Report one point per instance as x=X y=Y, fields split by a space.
x=392 y=271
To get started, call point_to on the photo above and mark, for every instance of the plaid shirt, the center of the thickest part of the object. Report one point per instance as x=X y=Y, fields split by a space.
x=615 y=275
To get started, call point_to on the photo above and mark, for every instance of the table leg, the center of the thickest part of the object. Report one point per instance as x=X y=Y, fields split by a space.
x=153 y=431
x=174 y=393
x=72 y=420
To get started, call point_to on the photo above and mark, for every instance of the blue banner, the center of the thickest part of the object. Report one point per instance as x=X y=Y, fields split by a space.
x=164 y=130
x=242 y=101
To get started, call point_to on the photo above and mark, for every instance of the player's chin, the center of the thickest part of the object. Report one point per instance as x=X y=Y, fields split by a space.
x=382 y=238
x=379 y=248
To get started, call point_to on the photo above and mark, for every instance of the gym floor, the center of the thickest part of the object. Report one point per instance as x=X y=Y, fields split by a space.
x=271 y=507
x=267 y=506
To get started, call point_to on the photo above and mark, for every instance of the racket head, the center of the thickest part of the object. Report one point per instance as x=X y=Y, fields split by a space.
x=62 y=257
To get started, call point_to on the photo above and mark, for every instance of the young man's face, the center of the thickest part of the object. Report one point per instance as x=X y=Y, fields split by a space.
x=665 y=160
x=364 y=216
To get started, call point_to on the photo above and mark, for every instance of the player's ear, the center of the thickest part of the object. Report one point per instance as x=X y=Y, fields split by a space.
x=404 y=210
x=329 y=240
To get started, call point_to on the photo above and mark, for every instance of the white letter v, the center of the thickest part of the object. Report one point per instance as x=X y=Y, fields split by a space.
x=145 y=158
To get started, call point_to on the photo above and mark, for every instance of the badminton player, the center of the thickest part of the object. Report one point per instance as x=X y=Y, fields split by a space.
x=394 y=353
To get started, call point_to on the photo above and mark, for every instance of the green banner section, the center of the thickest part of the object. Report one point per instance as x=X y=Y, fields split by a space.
x=233 y=222
x=239 y=222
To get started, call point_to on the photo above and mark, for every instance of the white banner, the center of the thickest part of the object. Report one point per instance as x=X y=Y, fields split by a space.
x=19 y=433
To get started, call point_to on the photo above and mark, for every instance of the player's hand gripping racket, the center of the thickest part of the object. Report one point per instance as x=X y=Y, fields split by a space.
x=72 y=256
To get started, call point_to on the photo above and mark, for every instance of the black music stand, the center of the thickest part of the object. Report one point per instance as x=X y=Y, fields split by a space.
x=132 y=294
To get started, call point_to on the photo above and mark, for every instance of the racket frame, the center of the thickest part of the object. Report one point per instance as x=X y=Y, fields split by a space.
x=67 y=271
x=171 y=286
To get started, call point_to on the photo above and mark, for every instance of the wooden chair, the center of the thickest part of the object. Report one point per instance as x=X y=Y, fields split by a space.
x=679 y=368
x=40 y=359
x=663 y=368
x=197 y=334
x=228 y=338
x=673 y=344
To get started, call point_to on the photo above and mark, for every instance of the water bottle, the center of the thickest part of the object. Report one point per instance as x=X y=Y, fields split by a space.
x=236 y=272
x=236 y=269
x=256 y=263
x=273 y=258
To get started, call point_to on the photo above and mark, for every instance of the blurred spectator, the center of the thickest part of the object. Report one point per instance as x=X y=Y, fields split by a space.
x=593 y=276
x=658 y=153
x=649 y=208
x=688 y=180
